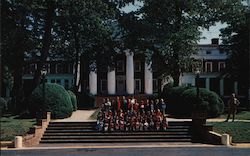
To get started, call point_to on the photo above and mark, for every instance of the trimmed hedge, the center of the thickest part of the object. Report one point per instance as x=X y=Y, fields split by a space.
x=209 y=101
x=73 y=100
x=182 y=101
x=57 y=101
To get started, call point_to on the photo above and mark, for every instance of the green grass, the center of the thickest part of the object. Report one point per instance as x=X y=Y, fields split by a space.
x=244 y=115
x=240 y=131
x=11 y=126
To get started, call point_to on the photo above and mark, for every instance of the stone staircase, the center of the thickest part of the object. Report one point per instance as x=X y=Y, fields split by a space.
x=84 y=132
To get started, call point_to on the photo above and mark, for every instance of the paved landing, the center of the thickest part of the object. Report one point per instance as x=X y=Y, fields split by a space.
x=78 y=116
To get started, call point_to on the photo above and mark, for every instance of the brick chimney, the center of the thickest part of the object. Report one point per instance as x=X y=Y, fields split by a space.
x=215 y=41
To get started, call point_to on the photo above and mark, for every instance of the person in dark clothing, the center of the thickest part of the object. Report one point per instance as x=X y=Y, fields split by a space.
x=233 y=102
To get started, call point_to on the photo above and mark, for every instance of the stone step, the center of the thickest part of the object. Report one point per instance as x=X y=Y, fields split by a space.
x=94 y=123
x=82 y=130
x=89 y=127
x=118 y=137
x=113 y=140
x=117 y=133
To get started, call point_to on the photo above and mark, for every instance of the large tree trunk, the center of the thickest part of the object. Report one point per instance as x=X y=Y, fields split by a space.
x=47 y=38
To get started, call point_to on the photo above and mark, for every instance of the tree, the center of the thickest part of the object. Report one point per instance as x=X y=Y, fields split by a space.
x=15 y=41
x=171 y=29
x=82 y=28
x=236 y=35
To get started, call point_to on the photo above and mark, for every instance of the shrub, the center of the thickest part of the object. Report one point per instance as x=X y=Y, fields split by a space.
x=57 y=101
x=85 y=100
x=209 y=101
x=3 y=106
x=73 y=100
x=182 y=101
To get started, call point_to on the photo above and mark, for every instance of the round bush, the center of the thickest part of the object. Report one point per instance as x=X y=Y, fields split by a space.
x=73 y=100
x=182 y=101
x=57 y=101
x=209 y=102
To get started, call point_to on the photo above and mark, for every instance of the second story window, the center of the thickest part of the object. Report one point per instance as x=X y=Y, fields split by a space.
x=208 y=67
x=120 y=66
x=137 y=66
x=221 y=66
x=208 y=52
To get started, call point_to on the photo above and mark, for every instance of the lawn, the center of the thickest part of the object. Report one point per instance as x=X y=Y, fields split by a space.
x=244 y=115
x=12 y=126
x=240 y=131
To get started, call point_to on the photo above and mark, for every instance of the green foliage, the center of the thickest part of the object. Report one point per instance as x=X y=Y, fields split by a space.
x=85 y=100
x=73 y=100
x=209 y=102
x=57 y=101
x=12 y=126
x=236 y=37
x=182 y=101
x=3 y=106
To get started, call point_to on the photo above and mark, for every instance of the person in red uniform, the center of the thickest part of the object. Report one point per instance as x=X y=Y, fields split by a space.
x=118 y=103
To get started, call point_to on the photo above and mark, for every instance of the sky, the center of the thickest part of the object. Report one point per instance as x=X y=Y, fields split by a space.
x=213 y=32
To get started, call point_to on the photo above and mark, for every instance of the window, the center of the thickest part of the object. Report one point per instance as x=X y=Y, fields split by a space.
x=208 y=52
x=208 y=67
x=52 y=68
x=120 y=66
x=66 y=84
x=104 y=85
x=58 y=81
x=154 y=67
x=137 y=85
x=221 y=66
x=70 y=68
x=155 y=85
x=59 y=68
x=137 y=66
x=33 y=68
x=222 y=51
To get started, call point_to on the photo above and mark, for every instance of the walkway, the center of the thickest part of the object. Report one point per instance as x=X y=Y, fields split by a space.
x=78 y=116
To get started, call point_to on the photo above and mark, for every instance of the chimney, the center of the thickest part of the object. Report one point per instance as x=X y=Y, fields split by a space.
x=215 y=41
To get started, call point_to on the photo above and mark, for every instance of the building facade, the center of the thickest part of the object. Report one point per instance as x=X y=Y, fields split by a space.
x=133 y=75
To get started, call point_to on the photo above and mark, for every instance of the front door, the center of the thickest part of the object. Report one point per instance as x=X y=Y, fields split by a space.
x=120 y=85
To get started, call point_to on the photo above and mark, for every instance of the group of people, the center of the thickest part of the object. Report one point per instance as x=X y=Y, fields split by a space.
x=129 y=114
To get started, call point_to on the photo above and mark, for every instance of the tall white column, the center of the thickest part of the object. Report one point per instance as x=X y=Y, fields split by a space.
x=130 y=73
x=111 y=82
x=93 y=79
x=148 y=88
x=78 y=74
x=208 y=83
x=221 y=87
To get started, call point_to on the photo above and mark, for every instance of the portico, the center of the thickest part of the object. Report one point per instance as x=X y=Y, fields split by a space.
x=122 y=80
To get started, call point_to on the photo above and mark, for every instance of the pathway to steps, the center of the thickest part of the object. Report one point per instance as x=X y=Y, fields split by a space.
x=78 y=116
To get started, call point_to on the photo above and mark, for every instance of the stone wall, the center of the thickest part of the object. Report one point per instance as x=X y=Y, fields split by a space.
x=35 y=134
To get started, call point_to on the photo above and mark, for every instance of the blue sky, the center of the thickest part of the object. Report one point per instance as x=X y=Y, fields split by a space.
x=213 y=32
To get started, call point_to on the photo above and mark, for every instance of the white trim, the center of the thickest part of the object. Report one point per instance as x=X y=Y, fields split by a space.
x=138 y=80
x=211 y=66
